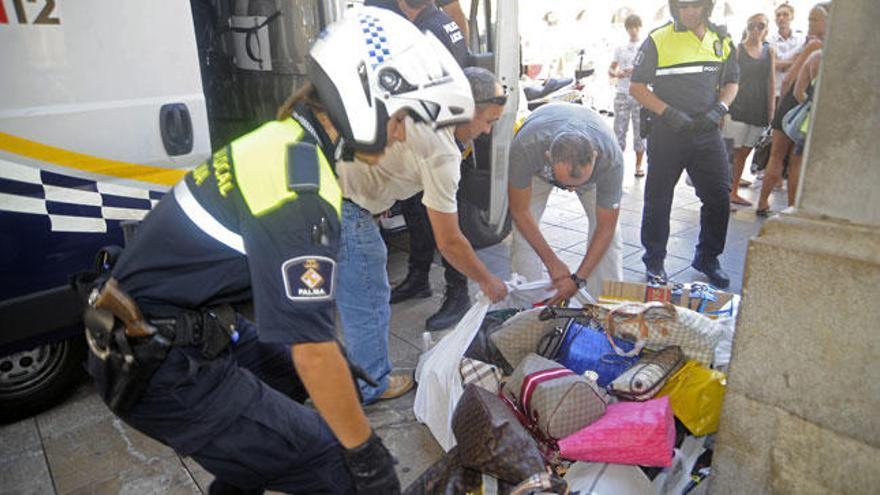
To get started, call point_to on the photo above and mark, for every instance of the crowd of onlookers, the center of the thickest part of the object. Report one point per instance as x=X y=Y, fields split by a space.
x=773 y=64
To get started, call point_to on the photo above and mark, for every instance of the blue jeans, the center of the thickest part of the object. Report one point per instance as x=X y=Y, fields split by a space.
x=362 y=296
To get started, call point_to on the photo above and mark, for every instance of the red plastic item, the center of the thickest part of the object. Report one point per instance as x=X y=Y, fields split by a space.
x=641 y=433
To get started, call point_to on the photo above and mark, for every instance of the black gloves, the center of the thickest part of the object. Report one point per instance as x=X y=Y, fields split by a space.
x=710 y=120
x=676 y=119
x=372 y=468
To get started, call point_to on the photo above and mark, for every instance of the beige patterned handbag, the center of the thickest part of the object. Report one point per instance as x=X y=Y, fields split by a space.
x=554 y=398
x=520 y=335
x=656 y=325
x=645 y=379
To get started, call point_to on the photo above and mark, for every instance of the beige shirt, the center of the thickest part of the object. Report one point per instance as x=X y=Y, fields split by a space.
x=428 y=160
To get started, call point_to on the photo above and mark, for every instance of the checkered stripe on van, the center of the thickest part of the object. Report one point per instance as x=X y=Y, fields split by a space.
x=374 y=35
x=72 y=204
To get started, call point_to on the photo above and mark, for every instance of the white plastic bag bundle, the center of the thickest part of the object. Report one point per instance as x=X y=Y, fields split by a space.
x=438 y=373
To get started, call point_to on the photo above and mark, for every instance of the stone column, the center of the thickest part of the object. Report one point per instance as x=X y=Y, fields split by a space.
x=802 y=411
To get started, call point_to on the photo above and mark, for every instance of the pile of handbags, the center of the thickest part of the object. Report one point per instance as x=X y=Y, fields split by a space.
x=548 y=386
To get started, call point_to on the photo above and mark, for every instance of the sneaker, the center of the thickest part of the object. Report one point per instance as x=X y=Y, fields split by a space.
x=398 y=384
x=656 y=276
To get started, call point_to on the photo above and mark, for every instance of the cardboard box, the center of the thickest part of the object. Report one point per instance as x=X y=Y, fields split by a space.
x=616 y=291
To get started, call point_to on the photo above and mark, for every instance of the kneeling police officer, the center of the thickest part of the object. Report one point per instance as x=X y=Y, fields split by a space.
x=260 y=220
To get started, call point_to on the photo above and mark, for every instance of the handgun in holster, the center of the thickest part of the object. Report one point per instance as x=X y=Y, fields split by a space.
x=130 y=349
x=646 y=122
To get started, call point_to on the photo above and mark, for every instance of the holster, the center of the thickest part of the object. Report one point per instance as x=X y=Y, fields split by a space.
x=124 y=365
x=646 y=122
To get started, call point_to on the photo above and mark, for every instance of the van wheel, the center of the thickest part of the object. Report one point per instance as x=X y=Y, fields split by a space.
x=475 y=226
x=35 y=379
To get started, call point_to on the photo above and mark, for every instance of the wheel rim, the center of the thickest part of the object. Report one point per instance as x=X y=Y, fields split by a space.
x=24 y=372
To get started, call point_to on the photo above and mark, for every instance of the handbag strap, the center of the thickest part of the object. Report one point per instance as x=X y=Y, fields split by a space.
x=532 y=380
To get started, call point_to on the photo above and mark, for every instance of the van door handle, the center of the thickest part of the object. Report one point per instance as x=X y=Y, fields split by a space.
x=175 y=126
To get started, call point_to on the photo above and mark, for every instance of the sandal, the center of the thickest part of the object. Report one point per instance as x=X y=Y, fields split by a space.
x=763 y=212
x=744 y=183
x=740 y=201
x=640 y=173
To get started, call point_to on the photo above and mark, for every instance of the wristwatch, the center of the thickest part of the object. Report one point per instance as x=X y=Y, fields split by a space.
x=579 y=282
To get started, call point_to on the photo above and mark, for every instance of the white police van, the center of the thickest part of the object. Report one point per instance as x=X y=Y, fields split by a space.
x=104 y=104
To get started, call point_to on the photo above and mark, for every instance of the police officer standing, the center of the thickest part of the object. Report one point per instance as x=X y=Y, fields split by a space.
x=691 y=65
x=260 y=220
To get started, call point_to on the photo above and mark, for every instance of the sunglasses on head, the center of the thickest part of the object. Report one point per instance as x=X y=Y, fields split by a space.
x=495 y=100
x=756 y=26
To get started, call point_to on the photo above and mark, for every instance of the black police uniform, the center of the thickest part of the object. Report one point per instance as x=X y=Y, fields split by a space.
x=687 y=74
x=240 y=225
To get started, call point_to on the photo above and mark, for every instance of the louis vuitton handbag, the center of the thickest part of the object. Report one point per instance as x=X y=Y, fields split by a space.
x=645 y=379
x=491 y=439
x=553 y=398
x=656 y=325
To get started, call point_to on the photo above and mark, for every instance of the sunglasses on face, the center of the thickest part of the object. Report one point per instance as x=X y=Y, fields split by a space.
x=756 y=26
x=495 y=100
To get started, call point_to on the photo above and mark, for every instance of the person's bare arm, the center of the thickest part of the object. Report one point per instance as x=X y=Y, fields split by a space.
x=771 y=90
x=612 y=70
x=453 y=10
x=646 y=97
x=459 y=252
x=807 y=73
x=325 y=374
x=606 y=224
x=794 y=70
x=728 y=93
x=785 y=65
x=519 y=201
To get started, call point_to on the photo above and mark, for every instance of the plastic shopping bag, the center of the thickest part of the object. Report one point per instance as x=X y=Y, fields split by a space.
x=640 y=433
x=438 y=372
x=696 y=394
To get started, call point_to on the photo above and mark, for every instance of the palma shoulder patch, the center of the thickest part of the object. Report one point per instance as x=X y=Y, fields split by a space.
x=309 y=278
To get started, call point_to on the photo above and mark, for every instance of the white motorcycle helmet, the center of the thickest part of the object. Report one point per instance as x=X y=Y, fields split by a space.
x=373 y=63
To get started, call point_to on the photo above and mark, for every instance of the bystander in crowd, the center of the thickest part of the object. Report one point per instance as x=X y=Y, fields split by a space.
x=782 y=145
x=626 y=108
x=752 y=110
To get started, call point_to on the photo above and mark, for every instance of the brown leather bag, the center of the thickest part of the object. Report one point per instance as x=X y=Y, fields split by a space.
x=492 y=440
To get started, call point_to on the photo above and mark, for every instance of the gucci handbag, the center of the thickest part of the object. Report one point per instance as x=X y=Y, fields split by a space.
x=554 y=399
x=491 y=439
x=521 y=334
x=644 y=380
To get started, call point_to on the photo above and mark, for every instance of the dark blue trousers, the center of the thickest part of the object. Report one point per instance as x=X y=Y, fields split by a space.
x=238 y=415
x=421 y=241
x=705 y=159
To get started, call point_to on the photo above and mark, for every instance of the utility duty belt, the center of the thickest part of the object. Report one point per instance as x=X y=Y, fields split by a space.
x=131 y=348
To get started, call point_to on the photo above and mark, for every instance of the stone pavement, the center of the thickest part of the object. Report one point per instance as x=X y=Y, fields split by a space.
x=79 y=447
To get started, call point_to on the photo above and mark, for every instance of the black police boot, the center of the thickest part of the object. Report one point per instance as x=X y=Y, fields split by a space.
x=656 y=274
x=414 y=286
x=711 y=268
x=218 y=487
x=456 y=302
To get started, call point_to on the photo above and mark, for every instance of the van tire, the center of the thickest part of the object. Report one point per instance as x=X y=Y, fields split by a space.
x=35 y=379
x=475 y=226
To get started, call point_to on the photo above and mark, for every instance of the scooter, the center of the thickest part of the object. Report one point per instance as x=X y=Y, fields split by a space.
x=564 y=89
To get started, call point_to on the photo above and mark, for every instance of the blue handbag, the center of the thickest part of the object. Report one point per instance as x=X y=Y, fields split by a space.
x=586 y=348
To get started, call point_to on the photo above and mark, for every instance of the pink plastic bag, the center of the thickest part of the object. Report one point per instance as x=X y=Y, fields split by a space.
x=640 y=433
